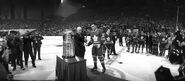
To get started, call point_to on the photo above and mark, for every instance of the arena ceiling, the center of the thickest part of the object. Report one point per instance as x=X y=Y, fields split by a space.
x=95 y=2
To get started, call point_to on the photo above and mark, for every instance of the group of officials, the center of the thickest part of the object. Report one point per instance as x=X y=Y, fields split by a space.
x=13 y=46
x=155 y=42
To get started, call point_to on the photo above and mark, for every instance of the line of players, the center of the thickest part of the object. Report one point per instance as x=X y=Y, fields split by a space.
x=156 y=43
x=13 y=46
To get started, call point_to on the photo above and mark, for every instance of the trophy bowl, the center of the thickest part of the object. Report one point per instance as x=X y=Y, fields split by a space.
x=68 y=44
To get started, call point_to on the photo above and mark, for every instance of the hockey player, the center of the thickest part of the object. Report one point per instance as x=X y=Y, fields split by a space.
x=155 y=40
x=97 y=47
x=128 y=41
x=108 y=43
x=135 y=43
x=141 y=41
x=162 y=45
x=103 y=40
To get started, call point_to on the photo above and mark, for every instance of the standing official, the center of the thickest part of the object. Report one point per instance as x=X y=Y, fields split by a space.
x=12 y=46
x=27 y=48
x=19 y=49
x=79 y=40
x=120 y=36
x=37 y=45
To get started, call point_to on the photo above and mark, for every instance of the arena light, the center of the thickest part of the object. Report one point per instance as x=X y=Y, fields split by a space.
x=62 y=1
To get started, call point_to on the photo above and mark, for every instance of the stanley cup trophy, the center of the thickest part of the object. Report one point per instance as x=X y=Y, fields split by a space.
x=68 y=44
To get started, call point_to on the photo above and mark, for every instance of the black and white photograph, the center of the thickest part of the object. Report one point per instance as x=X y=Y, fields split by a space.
x=92 y=40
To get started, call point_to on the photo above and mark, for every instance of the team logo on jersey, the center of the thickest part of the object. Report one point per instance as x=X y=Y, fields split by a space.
x=142 y=37
x=95 y=38
x=108 y=38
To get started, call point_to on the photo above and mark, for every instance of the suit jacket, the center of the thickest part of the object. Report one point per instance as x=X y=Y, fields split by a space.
x=37 y=40
x=79 y=45
x=176 y=41
x=149 y=39
x=27 y=42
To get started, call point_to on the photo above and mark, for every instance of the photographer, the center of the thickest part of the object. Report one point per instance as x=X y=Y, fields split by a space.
x=27 y=48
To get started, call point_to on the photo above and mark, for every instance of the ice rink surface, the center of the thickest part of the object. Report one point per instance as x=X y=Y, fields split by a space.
x=125 y=66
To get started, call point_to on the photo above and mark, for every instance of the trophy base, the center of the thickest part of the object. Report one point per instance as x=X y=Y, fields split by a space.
x=66 y=57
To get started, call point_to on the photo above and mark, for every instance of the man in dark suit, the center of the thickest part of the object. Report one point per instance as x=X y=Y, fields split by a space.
x=37 y=45
x=148 y=43
x=12 y=46
x=114 y=38
x=19 y=52
x=120 y=36
x=79 y=40
x=27 y=48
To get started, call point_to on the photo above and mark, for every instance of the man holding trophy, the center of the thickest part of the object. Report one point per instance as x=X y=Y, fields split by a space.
x=79 y=40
